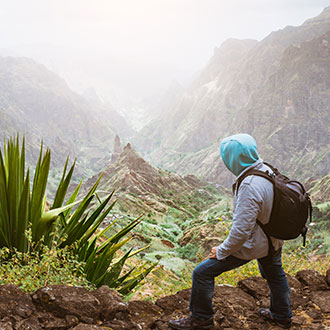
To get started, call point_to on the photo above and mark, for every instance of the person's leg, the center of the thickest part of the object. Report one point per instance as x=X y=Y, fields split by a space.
x=271 y=269
x=202 y=293
x=203 y=284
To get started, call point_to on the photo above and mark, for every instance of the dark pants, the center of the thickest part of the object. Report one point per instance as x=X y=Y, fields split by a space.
x=270 y=268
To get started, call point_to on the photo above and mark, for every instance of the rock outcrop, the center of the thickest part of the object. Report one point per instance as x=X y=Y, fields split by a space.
x=116 y=149
x=142 y=188
x=62 y=308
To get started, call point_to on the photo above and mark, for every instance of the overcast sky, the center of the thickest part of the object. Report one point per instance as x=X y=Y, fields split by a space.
x=163 y=37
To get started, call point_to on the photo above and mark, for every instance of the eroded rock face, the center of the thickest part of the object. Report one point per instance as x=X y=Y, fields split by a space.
x=64 y=308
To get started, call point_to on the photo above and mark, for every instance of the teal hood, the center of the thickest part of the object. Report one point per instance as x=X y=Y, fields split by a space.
x=239 y=152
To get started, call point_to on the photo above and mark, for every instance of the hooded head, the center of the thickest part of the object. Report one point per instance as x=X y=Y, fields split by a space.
x=239 y=152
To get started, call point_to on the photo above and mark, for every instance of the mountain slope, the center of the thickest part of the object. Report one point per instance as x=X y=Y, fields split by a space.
x=321 y=190
x=289 y=116
x=169 y=204
x=36 y=102
x=276 y=89
x=142 y=188
x=191 y=125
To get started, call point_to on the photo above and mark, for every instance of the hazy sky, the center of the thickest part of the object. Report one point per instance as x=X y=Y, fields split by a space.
x=143 y=39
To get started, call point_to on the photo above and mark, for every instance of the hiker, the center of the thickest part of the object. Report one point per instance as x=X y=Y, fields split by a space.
x=246 y=241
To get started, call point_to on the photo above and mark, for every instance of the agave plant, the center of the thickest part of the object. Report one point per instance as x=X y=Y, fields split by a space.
x=75 y=224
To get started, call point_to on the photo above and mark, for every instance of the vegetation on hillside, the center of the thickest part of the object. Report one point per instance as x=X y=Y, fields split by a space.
x=212 y=226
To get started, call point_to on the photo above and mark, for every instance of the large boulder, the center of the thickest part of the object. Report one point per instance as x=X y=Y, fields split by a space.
x=312 y=279
x=257 y=288
x=14 y=301
x=64 y=300
x=322 y=300
x=111 y=305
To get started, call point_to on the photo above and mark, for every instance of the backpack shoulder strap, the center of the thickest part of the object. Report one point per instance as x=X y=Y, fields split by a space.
x=277 y=172
x=263 y=174
x=274 y=169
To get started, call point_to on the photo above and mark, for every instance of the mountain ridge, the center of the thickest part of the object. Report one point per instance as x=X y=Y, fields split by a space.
x=143 y=188
x=37 y=103
x=226 y=105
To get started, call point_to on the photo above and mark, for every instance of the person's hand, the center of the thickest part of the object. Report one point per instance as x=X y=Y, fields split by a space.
x=213 y=253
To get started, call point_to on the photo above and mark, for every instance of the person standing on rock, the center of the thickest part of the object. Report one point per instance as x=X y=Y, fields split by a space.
x=246 y=241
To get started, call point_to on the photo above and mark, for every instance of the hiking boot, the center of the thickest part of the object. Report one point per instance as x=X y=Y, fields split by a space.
x=267 y=315
x=190 y=322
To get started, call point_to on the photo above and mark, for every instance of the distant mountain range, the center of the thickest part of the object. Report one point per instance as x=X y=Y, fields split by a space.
x=37 y=103
x=277 y=89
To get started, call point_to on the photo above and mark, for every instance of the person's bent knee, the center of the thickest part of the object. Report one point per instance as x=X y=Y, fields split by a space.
x=203 y=270
x=197 y=273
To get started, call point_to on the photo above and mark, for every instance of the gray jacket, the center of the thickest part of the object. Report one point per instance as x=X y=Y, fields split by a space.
x=254 y=200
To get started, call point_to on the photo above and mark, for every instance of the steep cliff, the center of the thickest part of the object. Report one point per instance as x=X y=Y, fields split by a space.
x=289 y=116
x=276 y=89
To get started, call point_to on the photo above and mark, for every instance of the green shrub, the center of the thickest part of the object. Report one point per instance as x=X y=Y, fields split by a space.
x=188 y=251
x=33 y=270
x=24 y=209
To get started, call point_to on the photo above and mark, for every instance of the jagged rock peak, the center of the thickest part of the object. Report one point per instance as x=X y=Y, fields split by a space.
x=322 y=18
x=117 y=144
x=128 y=146
x=131 y=159
x=116 y=149
x=326 y=9
x=325 y=12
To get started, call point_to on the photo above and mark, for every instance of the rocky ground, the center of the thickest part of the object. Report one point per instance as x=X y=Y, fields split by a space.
x=61 y=307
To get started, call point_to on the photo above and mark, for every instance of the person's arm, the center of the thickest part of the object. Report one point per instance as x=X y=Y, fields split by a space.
x=247 y=207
